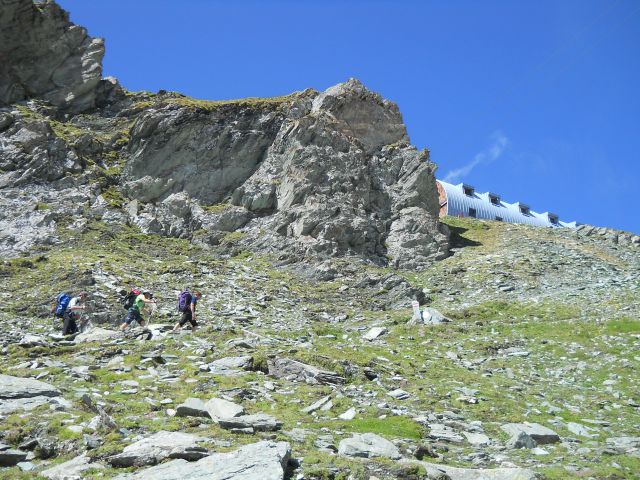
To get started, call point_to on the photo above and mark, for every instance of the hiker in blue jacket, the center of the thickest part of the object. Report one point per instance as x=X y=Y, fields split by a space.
x=188 y=310
x=72 y=313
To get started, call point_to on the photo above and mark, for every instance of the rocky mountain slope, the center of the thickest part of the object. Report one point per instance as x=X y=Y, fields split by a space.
x=310 y=224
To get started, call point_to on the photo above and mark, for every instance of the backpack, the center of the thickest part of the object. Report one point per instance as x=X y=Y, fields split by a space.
x=62 y=302
x=184 y=301
x=129 y=298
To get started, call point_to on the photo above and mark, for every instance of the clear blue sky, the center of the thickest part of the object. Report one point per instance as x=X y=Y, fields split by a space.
x=538 y=101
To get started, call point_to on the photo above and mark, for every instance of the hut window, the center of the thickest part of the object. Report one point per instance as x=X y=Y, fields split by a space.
x=524 y=209
x=468 y=190
x=553 y=218
x=495 y=199
x=472 y=212
x=499 y=218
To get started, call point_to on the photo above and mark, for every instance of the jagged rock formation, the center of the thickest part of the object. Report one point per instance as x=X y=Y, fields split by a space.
x=310 y=174
x=43 y=55
x=329 y=173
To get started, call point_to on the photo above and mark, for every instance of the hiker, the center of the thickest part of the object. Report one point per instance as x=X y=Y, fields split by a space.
x=187 y=305
x=135 y=312
x=72 y=313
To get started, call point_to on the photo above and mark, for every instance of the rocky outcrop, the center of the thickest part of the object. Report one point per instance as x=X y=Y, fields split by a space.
x=44 y=55
x=31 y=152
x=310 y=174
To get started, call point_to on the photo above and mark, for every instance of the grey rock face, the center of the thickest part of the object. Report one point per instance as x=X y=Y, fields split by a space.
x=263 y=460
x=32 y=152
x=157 y=447
x=323 y=175
x=540 y=434
x=44 y=55
x=368 y=445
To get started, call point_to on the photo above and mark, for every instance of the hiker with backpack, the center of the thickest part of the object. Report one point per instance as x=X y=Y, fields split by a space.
x=187 y=305
x=71 y=312
x=135 y=309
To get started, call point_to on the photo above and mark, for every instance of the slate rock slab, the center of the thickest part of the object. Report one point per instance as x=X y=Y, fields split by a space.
x=219 y=408
x=374 y=333
x=97 y=334
x=18 y=387
x=455 y=473
x=244 y=362
x=294 y=370
x=259 y=422
x=542 y=435
x=367 y=445
x=625 y=444
x=11 y=457
x=70 y=470
x=192 y=407
x=263 y=460
x=157 y=447
x=18 y=393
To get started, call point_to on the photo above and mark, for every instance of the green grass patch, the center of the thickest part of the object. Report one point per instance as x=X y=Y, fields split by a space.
x=622 y=325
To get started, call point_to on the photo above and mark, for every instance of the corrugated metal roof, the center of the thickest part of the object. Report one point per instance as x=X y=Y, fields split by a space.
x=460 y=204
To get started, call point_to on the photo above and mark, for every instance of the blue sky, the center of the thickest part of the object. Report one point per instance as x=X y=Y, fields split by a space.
x=537 y=101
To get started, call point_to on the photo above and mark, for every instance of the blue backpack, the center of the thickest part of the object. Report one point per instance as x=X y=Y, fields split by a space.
x=62 y=302
x=184 y=301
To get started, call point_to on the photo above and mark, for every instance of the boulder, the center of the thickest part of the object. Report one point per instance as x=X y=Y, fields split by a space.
x=30 y=340
x=445 y=472
x=316 y=405
x=157 y=447
x=259 y=422
x=374 y=333
x=17 y=387
x=11 y=457
x=368 y=445
x=192 y=407
x=231 y=366
x=263 y=460
x=540 y=434
x=98 y=334
x=70 y=470
x=18 y=393
x=294 y=370
x=429 y=316
x=624 y=444
x=219 y=408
